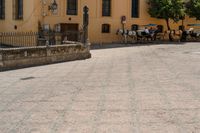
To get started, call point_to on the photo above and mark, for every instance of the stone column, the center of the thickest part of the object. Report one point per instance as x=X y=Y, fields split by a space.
x=85 y=25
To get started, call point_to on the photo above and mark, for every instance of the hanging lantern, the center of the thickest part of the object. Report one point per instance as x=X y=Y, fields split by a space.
x=53 y=7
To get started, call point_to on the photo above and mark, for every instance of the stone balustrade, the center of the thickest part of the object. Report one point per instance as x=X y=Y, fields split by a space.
x=14 y=58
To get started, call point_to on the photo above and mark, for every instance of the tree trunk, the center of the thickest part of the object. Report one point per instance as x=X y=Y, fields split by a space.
x=168 y=27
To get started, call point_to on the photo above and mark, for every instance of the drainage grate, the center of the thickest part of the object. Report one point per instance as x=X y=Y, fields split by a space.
x=27 y=78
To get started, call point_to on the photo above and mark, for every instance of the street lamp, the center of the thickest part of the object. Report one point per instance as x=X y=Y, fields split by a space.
x=53 y=6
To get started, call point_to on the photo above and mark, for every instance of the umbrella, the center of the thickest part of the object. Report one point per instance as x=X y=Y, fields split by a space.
x=151 y=25
x=193 y=24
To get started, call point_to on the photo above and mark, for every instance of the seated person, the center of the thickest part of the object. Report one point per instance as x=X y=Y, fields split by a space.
x=146 y=30
x=152 y=32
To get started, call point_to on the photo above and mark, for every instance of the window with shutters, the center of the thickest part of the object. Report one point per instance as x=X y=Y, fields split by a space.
x=135 y=9
x=18 y=9
x=72 y=7
x=105 y=28
x=106 y=8
x=2 y=9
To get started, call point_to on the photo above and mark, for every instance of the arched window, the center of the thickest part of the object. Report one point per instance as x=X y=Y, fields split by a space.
x=105 y=28
x=134 y=27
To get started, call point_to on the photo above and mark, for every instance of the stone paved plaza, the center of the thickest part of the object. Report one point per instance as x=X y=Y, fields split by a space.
x=138 y=89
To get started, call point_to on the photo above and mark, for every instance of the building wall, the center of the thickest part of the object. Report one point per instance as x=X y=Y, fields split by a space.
x=29 y=22
x=35 y=11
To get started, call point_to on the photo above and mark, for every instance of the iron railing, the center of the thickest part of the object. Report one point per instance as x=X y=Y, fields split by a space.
x=18 y=39
x=29 y=39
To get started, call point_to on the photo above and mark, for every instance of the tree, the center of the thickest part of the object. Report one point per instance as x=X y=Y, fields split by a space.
x=167 y=9
x=193 y=8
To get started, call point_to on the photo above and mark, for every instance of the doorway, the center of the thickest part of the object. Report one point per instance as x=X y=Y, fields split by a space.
x=70 y=31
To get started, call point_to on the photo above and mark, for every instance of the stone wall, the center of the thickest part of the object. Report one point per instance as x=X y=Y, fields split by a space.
x=14 y=58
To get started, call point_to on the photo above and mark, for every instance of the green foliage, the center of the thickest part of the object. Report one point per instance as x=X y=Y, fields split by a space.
x=193 y=8
x=167 y=9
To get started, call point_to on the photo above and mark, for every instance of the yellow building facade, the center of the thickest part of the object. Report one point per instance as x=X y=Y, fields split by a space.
x=39 y=11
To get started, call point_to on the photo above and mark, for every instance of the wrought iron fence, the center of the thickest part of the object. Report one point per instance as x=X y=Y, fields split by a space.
x=28 y=39
x=18 y=39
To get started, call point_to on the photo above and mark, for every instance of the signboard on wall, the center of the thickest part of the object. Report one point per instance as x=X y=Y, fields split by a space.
x=123 y=19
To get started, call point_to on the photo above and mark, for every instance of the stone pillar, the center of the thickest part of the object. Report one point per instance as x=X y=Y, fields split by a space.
x=1 y=59
x=85 y=25
x=48 y=51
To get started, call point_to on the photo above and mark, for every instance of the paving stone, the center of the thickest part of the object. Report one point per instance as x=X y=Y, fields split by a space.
x=143 y=89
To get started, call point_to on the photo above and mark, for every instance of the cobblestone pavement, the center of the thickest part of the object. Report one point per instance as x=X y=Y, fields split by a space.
x=142 y=89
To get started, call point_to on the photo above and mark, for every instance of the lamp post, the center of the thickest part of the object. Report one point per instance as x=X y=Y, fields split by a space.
x=85 y=24
x=43 y=31
x=52 y=7
x=123 y=22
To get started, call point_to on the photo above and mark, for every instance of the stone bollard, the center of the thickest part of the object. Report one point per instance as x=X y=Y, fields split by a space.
x=1 y=60
x=88 y=44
